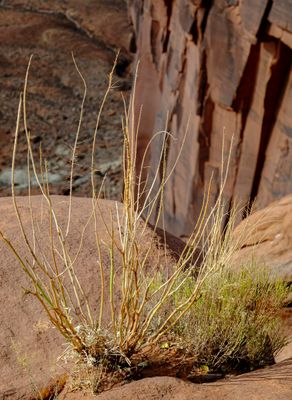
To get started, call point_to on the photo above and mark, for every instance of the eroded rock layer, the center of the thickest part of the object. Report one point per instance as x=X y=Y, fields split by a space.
x=212 y=67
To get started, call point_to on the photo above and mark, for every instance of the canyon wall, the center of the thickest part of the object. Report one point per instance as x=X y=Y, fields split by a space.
x=208 y=70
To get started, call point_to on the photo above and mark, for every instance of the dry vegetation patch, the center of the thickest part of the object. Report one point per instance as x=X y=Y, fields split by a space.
x=154 y=315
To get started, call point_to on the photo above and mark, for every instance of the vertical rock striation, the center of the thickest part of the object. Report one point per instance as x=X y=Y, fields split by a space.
x=208 y=67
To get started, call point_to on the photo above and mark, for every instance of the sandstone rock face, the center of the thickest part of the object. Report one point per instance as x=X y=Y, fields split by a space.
x=208 y=68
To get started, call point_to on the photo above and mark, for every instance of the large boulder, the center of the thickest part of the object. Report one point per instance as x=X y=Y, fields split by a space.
x=267 y=236
x=29 y=345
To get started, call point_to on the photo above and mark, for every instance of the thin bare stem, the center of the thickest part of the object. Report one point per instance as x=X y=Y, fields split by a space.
x=75 y=143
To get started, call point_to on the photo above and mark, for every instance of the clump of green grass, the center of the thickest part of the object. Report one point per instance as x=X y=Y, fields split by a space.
x=235 y=324
x=196 y=310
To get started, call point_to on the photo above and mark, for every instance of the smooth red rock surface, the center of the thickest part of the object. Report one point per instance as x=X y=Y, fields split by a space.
x=267 y=236
x=29 y=345
x=273 y=383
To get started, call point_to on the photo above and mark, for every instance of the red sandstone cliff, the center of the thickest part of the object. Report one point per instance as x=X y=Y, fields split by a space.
x=222 y=65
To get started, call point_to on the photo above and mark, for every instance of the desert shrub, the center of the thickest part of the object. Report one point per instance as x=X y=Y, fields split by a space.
x=235 y=323
x=196 y=308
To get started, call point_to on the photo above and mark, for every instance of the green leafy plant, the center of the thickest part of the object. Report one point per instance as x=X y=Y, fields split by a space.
x=197 y=310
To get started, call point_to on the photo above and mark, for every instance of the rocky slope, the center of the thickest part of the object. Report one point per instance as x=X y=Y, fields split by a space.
x=51 y=30
x=208 y=68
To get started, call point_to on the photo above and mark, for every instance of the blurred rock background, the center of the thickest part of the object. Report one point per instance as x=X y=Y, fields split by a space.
x=50 y=30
